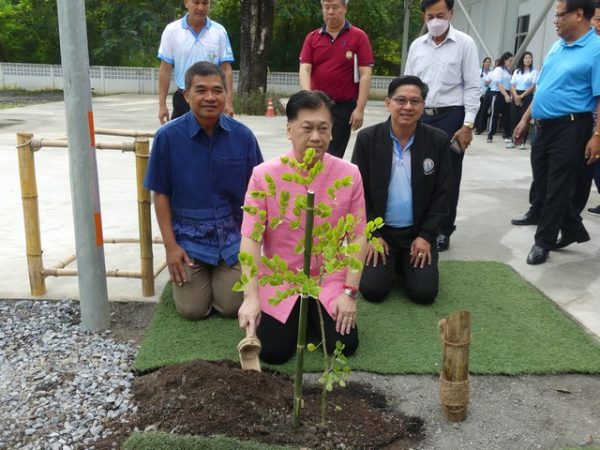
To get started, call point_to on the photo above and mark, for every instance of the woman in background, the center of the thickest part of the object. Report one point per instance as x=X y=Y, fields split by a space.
x=522 y=86
x=485 y=99
x=500 y=86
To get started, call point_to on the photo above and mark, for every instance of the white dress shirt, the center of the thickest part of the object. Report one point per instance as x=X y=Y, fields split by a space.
x=450 y=69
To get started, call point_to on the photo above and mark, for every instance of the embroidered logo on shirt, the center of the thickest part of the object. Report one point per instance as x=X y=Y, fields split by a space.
x=211 y=56
x=428 y=166
x=349 y=54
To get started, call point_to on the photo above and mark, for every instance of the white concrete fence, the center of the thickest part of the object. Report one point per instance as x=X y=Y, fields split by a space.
x=130 y=80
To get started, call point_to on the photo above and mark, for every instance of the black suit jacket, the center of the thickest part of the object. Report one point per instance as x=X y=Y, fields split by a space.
x=431 y=173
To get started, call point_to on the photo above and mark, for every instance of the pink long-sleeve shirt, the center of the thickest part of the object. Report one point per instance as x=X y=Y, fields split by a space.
x=283 y=239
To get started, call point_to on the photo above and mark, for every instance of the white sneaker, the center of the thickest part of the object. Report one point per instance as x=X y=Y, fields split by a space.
x=510 y=145
x=522 y=147
x=507 y=141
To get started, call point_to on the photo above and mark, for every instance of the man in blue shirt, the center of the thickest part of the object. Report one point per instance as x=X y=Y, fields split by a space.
x=185 y=41
x=567 y=93
x=407 y=174
x=199 y=170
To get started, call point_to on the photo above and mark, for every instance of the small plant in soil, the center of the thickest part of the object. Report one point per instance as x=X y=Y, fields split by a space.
x=328 y=243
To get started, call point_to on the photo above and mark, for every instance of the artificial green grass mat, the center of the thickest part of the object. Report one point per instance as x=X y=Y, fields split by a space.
x=515 y=330
x=166 y=441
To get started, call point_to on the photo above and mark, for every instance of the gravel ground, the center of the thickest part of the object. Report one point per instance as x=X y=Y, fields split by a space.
x=505 y=413
x=59 y=384
x=14 y=98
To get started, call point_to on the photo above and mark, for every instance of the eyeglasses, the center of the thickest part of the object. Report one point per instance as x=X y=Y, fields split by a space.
x=403 y=101
x=558 y=16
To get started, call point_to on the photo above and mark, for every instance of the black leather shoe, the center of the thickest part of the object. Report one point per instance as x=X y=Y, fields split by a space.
x=537 y=255
x=526 y=219
x=442 y=242
x=568 y=240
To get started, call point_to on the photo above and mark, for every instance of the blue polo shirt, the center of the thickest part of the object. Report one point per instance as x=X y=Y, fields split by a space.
x=205 y=178
x=181 y=46
x=399 y=207
x=569 y=81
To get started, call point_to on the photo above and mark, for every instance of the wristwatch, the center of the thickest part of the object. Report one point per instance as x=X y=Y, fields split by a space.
x=350 y=292
x=470 y=125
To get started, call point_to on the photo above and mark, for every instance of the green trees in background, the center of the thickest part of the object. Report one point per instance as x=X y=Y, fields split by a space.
x=127 y=32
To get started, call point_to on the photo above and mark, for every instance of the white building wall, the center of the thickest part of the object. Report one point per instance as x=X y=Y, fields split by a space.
x=496 y=21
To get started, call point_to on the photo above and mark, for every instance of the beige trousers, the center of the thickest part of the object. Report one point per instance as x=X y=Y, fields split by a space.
x=207 y=287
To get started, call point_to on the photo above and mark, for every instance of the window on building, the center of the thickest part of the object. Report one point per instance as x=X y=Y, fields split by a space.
x=522 y=30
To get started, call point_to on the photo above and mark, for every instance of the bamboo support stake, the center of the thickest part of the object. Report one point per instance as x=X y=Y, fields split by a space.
x=126 y=133
x=155 y=240
x=142 y=153
x=64 y=263
x=162 y=266
x=455 y=334
x=74 y=272
x=29 y=196
x=304 y=299
x=61 y=143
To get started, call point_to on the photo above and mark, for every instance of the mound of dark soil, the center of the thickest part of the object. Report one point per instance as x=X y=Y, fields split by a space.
x=207 y=398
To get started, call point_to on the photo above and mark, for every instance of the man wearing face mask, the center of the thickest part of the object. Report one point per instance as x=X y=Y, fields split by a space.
x=446 y=59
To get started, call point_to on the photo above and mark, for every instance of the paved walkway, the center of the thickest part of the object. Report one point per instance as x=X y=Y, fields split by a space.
x=494 y=189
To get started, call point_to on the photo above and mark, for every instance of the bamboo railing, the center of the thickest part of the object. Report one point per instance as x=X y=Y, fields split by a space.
x=27 y=145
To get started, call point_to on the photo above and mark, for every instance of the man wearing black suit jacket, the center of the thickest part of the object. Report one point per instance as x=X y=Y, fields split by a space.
x=406 y=171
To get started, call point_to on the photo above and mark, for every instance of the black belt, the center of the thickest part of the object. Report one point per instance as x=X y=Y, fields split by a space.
x=440 y=110
x=542 y=123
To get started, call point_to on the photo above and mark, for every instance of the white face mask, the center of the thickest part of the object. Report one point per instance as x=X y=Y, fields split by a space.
x=437 y=27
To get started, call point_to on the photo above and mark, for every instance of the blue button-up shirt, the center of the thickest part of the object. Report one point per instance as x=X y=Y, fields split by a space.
x=399 y=207
x=569 y=81
x=205 y=178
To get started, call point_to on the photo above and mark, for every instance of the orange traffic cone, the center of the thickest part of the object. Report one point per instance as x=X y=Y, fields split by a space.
x=270 y=111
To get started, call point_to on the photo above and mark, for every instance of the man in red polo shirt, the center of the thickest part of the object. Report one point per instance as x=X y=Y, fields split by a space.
x=337 y=59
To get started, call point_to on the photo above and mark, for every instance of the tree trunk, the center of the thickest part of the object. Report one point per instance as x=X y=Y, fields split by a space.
x=255 y=43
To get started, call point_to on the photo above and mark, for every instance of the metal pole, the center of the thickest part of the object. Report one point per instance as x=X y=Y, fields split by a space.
x=83 y=170
x=405 y=31
x=475 y=31
x=530 y=34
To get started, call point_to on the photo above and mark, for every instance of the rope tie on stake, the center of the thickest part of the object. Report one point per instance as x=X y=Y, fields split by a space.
x=453 y=394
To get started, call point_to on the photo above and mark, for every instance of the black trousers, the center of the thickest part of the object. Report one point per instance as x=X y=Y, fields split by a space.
x=516 y=113
x=450 y=121
x=421 y=283
x=279 y=339
x=180 y=105
x=341 y=127
x=580 y=195
x=499 y=106
x=556 y=159
x=481 y=121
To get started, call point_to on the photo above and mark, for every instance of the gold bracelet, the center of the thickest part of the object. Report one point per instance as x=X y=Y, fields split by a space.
x=597 y=133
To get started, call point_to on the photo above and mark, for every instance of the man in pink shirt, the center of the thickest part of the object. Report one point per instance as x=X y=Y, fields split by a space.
x=309 y=126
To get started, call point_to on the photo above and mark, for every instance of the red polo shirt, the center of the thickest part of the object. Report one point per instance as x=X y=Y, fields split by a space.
x=332 y=60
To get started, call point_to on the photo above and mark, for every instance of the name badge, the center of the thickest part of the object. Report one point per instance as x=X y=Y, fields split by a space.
x=428 y=166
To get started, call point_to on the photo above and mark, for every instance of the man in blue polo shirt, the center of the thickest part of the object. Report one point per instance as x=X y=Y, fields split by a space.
x=185 y=41
x=567 y=93
x=199 y=169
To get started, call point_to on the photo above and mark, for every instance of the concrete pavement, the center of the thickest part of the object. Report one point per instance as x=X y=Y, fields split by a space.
x=494 y=189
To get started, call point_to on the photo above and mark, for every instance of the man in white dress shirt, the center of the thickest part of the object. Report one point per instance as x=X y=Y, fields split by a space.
x=447 y=60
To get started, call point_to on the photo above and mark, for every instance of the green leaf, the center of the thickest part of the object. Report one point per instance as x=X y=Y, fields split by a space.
x=238 y=287
x=258 y=194
x=275 y=222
